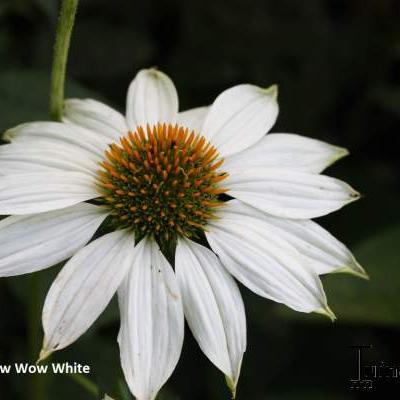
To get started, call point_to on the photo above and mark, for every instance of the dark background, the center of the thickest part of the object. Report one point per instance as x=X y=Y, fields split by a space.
x=337 y=65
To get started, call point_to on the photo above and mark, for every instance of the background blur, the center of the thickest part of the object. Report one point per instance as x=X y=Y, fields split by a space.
x=337 y=63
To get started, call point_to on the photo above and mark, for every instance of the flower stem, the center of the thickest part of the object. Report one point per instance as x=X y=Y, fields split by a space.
x=61 y=47
x=86 y=383
x=38 y=382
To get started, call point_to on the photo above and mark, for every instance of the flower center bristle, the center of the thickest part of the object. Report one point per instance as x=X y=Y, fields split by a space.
x=162 y=181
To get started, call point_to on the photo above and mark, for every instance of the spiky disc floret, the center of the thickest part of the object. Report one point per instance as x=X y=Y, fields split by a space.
x=162 y=181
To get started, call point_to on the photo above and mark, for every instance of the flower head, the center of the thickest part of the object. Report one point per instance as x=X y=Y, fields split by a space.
x=193 y=200
x=162 y=181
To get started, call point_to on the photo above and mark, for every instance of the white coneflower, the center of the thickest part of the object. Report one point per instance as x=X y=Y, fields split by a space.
x=169 y=181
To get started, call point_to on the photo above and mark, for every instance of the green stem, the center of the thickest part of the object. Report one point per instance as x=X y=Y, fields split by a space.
x=38 y=384
x=61 y=47
x=86 y=383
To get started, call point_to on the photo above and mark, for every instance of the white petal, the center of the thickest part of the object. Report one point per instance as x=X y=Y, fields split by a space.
x=213 y=307
x=33 y=242
x=321 y=251
x=34 y=193
x=288 y=193
x=69 y=135
x=151 y=334
x=240 y=117
x=37 y=157
x=264 y=263
x=84 y=287
x=152 y=98
x=285 y=150
x=96 y=116
x=193 y=118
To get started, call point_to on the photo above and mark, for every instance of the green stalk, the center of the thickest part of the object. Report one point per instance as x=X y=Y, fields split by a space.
x=86 y=383
x=61 y=47
x=38 y=383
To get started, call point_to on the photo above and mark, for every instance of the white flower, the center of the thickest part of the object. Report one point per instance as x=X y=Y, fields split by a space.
x=158 y=175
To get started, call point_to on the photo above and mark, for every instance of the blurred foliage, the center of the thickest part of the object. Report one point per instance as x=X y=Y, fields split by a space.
x=358 y=301
x=337 y=64
x=378 y=306
x=24 y=96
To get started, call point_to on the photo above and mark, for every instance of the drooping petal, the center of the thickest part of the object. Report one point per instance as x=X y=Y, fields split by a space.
x=23 y=194
x=71 y=136
x=287 y=193
x=285 y=150
x=96 y=116
x=33 y=242
x=213 y=307
x=84 y=287
x=151 y=334
x=264 y=263
x=37 y=157
x=193 y=118
x=240 y=117
x=152 y=98
x=321 y=251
